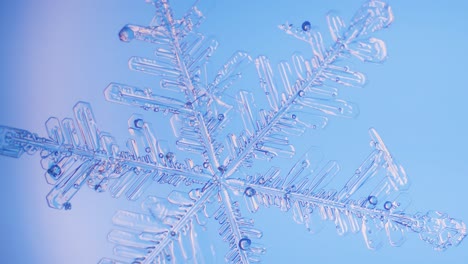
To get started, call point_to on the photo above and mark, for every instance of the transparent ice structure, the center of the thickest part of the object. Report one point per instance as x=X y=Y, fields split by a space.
x=219 y=167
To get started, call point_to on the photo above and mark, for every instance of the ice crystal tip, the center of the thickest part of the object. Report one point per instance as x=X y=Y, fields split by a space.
x=220 y=137
x=440 y=230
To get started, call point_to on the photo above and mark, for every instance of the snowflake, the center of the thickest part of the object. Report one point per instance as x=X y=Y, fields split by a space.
x=220 y=167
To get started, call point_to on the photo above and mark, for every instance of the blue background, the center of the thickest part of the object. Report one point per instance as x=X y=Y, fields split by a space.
x=55 y=53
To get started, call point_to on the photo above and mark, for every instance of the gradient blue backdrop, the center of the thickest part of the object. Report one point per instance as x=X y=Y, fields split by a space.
x=55 y=53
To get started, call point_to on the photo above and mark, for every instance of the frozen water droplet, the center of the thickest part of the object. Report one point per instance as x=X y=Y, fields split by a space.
x=372 y=199
x=220 y=117
x=206 y=164
x=160 y=155
x=245 y=243
x=126 y=34
x=67 y=206
x=173 y=233
x=301 y=93
x=148 y=149
x=98 y=188
x=388 y=205
x=169 y=155
x=138 y=123
x=293 y=116
x=337 y=79
x=306 y=26
x=249 y=191
x=222 y=169
x=189 y=105
x=54 y=171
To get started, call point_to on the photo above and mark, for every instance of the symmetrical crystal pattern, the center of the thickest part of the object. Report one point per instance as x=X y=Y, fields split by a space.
x=231 y=140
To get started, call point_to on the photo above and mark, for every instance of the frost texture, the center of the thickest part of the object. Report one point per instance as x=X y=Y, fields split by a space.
x=230 y=138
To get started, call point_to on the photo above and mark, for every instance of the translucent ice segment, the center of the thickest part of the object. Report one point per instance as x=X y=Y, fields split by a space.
x=125 y=238
x=353 y=221
x=190 y=145
x=251 y=199
x=229 y=72
x=54 y=130
x=154 y=67
x=395 y=233
x=110 y=261
x=245 y=99
x=317 y=45
x=122 y=183
x=372 y=231
x=163 y=210
x=299 y=170
x=339 y=75
x=134 y=96
x=249 y=231
x=139 y=185
x=190 y=44
x=290 y=125
x=396 y=173
x=71 y=133
x=84 y=117
x=341 y=222
x=298 y=212
x=180 y=198
x=324 y=176
x=156 y=35
x=187 y=243
x=368 y=50
x=8 y=147
x=287 y=77
x=130 y=252
x=270 y=178
x=273 y=149
x=199 y=55
x=143 y=134
x=312 y=219
x=302 y=67
x=336 y=25
x=366 y=171
x=69 y=185
x=153 y=237
x=330 y=107
x=295 y=32
x=267 y=82
x=139 y=222
x=108 y=144
x=323 y=91
x=55 y=170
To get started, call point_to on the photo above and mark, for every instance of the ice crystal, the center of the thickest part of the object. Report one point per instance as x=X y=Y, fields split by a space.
x=232 y=141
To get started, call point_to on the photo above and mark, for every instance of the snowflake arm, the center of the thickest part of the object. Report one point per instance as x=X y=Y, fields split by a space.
x=77 y=153
x=371 y=201
x=167 y=226
x=312 y=81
